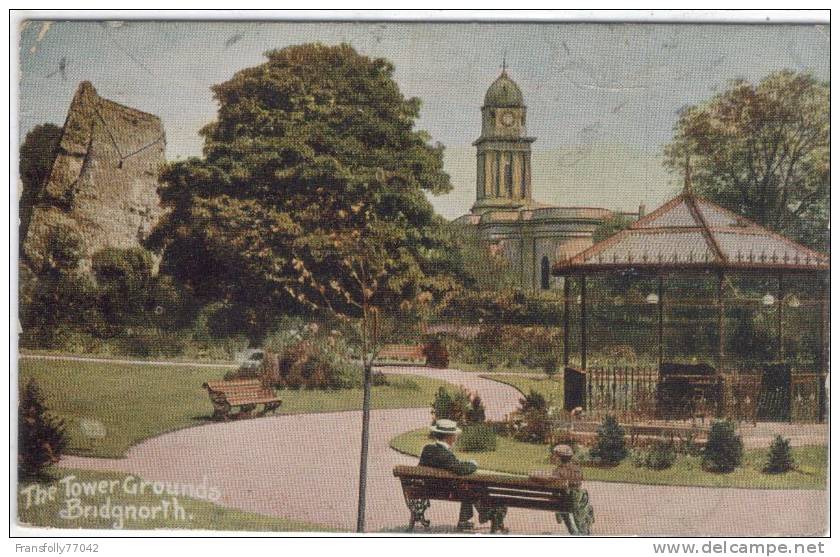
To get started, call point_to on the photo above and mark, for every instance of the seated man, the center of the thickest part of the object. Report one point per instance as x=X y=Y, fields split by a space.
x=439 y=455
x=580 y=520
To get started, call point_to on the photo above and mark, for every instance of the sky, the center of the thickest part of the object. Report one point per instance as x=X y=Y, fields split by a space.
x=602 y=98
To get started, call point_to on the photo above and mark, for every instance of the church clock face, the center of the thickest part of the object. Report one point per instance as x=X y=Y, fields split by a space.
x=508 y=119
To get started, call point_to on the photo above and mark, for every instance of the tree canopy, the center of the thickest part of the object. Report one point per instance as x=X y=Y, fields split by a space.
x=762 y=150
x=310 y=193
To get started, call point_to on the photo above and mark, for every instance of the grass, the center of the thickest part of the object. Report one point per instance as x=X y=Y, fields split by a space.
x=110 y=407
x=120 y=495
x=515 y=457
x=551 y=389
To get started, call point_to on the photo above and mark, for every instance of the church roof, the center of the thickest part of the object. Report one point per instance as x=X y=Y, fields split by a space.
x=504 y=92
x=689 y=231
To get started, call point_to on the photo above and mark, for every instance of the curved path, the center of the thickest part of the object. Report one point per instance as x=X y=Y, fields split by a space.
x=305 y=467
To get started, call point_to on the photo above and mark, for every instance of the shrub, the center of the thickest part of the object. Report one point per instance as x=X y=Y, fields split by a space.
x=145 y=342
x=442 y=405
x=460 y=406
x=610 y=447
x=475 y=412
x=659 y=456
x=533 y=401
x=724 y=449
x=436 y=354
x=551 y=365
x=41 y=437
x=532 y=426
x=780 y=457
x=310 y=365
x=477 y=438
x=124 y=280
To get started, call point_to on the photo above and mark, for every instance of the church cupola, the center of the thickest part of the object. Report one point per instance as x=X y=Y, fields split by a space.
x=503 y=150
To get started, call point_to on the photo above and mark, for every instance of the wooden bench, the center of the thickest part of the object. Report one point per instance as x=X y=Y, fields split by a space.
x=244 y=393
x=407 y=353
x=494 y=492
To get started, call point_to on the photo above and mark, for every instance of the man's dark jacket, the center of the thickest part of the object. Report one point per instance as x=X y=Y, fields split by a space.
x=435 y=455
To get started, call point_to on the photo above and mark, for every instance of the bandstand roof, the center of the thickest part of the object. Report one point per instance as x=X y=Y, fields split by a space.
x=691 y=232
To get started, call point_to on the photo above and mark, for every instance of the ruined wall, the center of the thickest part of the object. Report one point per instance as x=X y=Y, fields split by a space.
x=103 y=183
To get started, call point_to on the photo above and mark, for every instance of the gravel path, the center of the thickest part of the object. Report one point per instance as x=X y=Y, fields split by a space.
x=305 y=467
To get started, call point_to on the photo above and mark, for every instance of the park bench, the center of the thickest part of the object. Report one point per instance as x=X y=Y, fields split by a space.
x=403 y=353
x=243 y=393
x=494 y=492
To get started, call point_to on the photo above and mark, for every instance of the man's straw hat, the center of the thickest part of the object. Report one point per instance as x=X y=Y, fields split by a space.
x=445 y=427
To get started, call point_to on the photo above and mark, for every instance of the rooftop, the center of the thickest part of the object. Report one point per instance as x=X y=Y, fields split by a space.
x=689 y=231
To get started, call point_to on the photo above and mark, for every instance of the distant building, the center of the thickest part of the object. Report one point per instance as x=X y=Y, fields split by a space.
x=532 y=235
x=104 y=180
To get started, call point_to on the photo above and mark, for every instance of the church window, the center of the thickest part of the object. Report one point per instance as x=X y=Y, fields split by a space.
x=545 y=274
x=498 y=189
x=509 y=174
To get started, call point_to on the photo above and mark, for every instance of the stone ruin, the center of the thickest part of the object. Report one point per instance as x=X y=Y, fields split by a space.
x=104 y=180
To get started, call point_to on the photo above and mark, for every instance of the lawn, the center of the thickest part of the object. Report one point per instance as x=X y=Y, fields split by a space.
x=551 y=389
x=521 y=458
x=129 y=509
x=110 y=407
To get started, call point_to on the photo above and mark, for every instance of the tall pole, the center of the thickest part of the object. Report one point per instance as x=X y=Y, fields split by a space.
x=368 y=365
x=583 y=322
x=567 y=292
x=660 y=291
x=360 y=517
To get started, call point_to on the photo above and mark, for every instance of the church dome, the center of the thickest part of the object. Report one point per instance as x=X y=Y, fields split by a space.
x=504 y=92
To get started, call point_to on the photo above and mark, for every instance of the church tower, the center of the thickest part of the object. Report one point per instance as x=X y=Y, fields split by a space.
x=503 y=150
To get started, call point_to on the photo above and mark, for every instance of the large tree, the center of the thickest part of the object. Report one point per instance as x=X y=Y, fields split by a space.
x=310 y=193
x=762 y=150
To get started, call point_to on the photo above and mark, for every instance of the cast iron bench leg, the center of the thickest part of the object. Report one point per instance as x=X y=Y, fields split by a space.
x=418 y=507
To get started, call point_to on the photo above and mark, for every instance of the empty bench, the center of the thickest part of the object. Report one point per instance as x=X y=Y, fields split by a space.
x=402 y=353
x=245 y=394
x=494 y=492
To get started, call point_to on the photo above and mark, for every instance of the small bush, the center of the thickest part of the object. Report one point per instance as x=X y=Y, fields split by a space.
x=460 y=406
x=780 y=457
x=532 y=426
x=442 y=405
x=533 y=401
x=310 y=365
x=551 y=365
x=41 y=437
x=475 y=411
x=724 y=450
x=477 y=438
x=436 y=354
x=661 y=455
x=147 y=342
x=610 y=447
